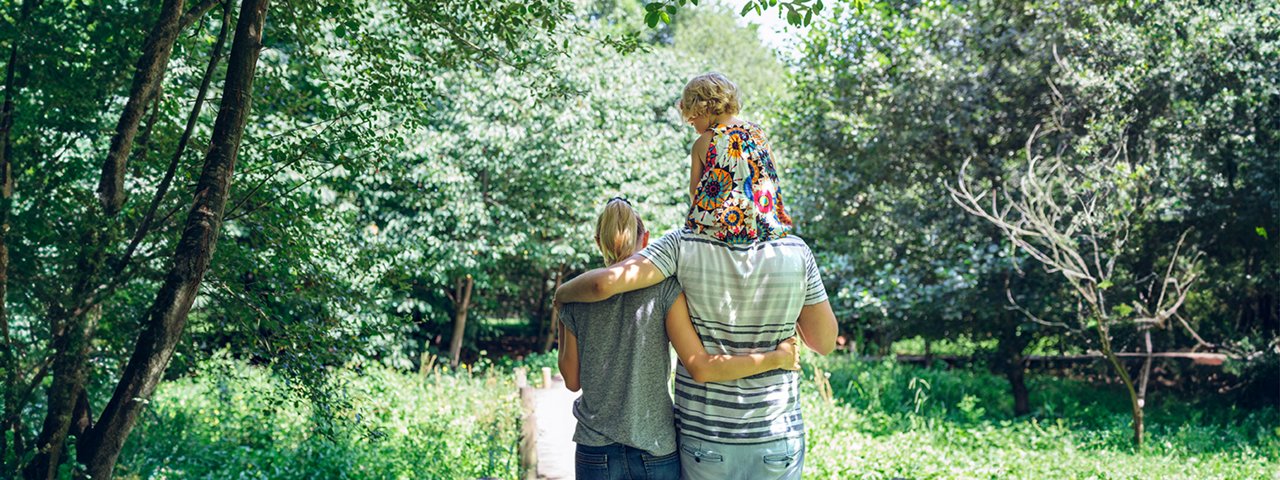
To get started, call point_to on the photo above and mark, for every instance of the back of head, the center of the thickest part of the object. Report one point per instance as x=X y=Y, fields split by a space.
x=618 y=231
x=709 y=94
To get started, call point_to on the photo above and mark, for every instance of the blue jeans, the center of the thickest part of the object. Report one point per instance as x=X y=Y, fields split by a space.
x=620 y=462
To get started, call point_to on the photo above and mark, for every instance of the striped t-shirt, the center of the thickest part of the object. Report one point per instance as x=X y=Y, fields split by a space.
x=742 y=299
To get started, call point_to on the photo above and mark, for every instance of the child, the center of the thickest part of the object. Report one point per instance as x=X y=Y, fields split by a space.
x=733 y=185
x=616 y=352
x=748 y=283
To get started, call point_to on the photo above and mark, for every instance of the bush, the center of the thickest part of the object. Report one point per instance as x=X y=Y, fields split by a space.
x=237 y=421
x=892 y=420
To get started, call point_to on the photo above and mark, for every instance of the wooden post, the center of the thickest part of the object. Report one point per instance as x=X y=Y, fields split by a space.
x=528 y=434
x=546 y=377
x=522 y=377
x=461 y=301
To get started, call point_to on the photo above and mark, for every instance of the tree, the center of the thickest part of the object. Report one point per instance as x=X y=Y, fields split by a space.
x=77 y=271
x=1075 y=219
x=893 y=98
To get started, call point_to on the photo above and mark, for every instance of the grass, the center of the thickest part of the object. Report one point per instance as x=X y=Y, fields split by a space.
x=241 y=423
x=887 y=420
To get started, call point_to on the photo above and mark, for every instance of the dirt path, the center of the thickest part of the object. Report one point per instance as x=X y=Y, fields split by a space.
x=555 y=421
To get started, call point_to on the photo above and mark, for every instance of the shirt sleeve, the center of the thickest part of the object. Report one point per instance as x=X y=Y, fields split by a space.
x=670 y=290
x=814 y=292
x=566 y=317
x=664 y=253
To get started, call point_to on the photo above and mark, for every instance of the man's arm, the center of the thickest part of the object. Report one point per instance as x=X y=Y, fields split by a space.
x=633 y=273
x=705 y=367
x=817 y=325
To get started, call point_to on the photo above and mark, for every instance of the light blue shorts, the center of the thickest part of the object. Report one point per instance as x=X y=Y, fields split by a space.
x=705 y=460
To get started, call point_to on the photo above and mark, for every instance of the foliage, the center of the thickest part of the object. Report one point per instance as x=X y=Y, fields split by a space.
x=892 y=99
x=233 y=420
x=892 y=420
x=888 y=420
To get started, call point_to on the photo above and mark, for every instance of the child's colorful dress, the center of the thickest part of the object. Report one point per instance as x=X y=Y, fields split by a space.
x=738 y=200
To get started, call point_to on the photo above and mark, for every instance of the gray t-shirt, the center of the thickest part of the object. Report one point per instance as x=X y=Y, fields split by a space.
x=624 y=368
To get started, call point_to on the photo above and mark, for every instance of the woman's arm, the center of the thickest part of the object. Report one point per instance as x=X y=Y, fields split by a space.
x=705 y=367
x=569 y=359
x=817 y=325
x=634 y=273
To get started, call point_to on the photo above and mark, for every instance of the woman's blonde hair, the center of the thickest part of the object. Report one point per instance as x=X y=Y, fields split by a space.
x=709 y=94
x=618 y=230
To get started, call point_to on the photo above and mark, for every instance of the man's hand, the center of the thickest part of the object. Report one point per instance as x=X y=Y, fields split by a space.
x=787 y=356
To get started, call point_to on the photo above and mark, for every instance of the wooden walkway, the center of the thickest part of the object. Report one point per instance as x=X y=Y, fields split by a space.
x=547 y=451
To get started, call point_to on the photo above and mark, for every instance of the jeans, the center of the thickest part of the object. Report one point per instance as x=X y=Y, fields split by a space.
x=620 y=462
x=779 y=459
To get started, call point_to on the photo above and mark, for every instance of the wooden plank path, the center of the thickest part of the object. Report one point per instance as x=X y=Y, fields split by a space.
x=547 y=448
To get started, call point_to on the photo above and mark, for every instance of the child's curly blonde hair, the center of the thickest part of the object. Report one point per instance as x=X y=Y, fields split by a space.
x=709 y=94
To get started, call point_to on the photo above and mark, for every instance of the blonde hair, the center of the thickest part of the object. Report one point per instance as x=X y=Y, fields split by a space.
x=618 y=230
x=709 y=94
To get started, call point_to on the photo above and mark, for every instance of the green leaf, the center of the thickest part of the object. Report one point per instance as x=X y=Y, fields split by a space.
x=1262 y=232
x=671 y=9
x=1104 y=285
x=1123 y=310
x=651 y=19
x=793 y=17
x=665 y=18
x=652 y=6
x=746 y=8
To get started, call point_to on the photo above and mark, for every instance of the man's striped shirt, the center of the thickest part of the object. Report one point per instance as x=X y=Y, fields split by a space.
x=742 y=299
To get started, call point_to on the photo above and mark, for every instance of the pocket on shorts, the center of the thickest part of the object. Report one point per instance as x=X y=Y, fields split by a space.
x=784 y=454
x=697 y=454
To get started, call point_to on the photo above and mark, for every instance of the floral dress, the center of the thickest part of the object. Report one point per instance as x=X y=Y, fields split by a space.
x=738 y=200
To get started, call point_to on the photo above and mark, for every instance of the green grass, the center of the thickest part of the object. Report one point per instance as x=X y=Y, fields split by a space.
x=396 y=425
x=887 y=420
x=890 y=420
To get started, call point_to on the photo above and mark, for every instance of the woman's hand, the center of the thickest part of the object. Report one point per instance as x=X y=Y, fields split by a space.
x=787 y=356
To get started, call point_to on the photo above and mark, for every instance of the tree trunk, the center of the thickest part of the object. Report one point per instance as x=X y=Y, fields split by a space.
x=82 y=416
x=70 y=370
x=1134 y=402
x=146 y=80
x=1011 y=362
x=1017 y=384
x=462 y=300
x=168 y=314
x=214 y=57
x=8 y=357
